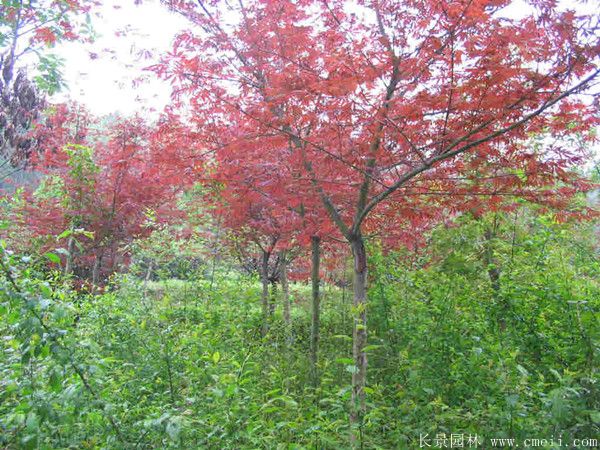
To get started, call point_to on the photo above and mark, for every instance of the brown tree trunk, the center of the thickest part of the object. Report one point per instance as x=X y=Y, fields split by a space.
x=96 y=271
x=215 y=252
x=315 y=309
x=359 y=333
x=264 y=276
x=285 y=289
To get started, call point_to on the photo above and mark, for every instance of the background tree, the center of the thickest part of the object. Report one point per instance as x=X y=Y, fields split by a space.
x=20 y=106
x=28 y=29
x=31 y=27
x=115 y=186
x=266 y=202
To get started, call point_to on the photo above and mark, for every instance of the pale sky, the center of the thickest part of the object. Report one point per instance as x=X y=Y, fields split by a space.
x=105 y=84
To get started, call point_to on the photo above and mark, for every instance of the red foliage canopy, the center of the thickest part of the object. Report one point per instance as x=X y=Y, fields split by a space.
x=118 y=181
x=405 y=101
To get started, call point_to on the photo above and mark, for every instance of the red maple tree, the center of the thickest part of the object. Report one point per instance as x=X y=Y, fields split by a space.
x=392 y=108
x=115 y=182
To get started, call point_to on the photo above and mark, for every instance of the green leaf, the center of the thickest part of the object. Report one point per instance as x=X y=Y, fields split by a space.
x=369 y=348
x=64 y=234
x=344 y=360
x=52 y=257
x=522 y=370
x=343 y=336
x=512 y=400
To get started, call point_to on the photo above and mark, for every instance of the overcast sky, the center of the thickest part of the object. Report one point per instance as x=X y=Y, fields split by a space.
x=101 y=75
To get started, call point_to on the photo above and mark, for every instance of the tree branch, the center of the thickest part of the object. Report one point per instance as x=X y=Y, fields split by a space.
x=449 y=154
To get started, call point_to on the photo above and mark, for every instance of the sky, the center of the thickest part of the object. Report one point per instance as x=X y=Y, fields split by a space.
x=101 y=75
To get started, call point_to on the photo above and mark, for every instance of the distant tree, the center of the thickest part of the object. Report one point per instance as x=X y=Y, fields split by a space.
x=30 y=27
x=21 y=104
x=102 y=188
x=27 y=30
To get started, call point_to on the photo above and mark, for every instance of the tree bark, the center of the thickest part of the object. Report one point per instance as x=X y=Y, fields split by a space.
x=264 y=276
x=491 y=262
x=359 y=331
x=273 y=301
x=285 y=289
x=315 y=309
x=96 y=271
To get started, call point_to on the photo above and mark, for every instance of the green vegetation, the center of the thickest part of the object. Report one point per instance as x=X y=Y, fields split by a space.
x=494 y=332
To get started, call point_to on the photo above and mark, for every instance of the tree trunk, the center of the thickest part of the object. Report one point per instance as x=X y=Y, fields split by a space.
x=148 y=273
x=491 y=262
x=69 y=261
x=273 y=302
x=264 y=276
x=359 y=332
x=96 y=271
x=315 y=309
x=493 y=271
x=8 y=72
x=215 y=252
x=343 y=308
x=285 y=289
